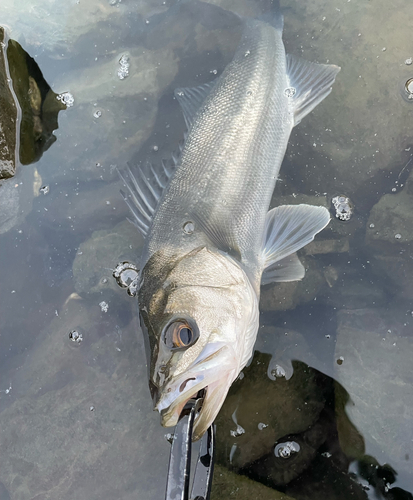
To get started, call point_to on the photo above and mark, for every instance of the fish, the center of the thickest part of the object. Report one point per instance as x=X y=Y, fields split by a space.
x=211 y=241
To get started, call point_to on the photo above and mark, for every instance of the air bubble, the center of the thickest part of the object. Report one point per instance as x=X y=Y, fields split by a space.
x=343 y=206
x=408 y=61
x=285 y=450
x=126 y=275
x=407 y=90
x=340 y=360
x=188 y=227
x=290 y=91
x=104 y=306
x=97 y=113
x=278 y=372
x=240 y=430
x=398 y=236
x=371 y=226
x=75 y=336
x=169 y=437
x=66 y=98
x=123 y=71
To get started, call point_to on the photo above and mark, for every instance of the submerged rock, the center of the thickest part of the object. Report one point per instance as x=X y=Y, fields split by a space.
x=286 y=407
x=28 y=108
x=98 y=257
x=344 y=145
x=8 y=115
x=376 y=352
x=389 y=236
x=84 y=415
x=227 y=484
x=282 y=296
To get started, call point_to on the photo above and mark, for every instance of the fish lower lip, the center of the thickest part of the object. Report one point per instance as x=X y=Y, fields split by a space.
x=185 y=407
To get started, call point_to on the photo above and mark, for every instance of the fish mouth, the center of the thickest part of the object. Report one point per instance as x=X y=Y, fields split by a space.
x=210 y=377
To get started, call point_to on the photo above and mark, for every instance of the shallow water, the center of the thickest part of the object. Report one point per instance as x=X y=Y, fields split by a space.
x=76 y=417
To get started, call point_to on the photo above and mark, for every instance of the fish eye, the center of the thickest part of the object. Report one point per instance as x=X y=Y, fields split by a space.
x=180 y=335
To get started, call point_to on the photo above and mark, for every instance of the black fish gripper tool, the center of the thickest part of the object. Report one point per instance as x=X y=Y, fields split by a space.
x=177 y=486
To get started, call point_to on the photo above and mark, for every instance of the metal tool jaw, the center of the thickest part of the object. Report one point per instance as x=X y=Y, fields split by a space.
x=177 y=486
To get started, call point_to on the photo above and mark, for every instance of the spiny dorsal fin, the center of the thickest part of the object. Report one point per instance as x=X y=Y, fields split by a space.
x=287 y=229
x=191 y=98
x=145 y=187
x=309 y=83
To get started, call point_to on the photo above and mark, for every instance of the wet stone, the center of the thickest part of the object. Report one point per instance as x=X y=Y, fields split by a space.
x=376 y=371
x=8 y=116
x=101 y=252
x=256 y=399
x=282 y=296
x=389 y=237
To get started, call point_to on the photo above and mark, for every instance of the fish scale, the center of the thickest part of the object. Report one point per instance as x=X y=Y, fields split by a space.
x=233 y=152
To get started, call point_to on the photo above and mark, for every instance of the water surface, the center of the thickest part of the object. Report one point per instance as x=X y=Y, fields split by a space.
x=332 y=370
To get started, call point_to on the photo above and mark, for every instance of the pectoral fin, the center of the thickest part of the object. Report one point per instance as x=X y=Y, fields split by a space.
x=287 y=269
x=309 y=84
x=287 y=229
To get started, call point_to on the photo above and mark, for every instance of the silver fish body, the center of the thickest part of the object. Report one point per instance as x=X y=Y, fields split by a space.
x=209 y=235
x=232 y=154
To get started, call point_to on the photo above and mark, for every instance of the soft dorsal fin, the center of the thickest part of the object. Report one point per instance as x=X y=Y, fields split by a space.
x=147 y=183
x=287 y=229
x=191 y=98
x=309 y=83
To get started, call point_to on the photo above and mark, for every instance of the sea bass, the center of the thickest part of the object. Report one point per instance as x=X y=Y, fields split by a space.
x=210 y=241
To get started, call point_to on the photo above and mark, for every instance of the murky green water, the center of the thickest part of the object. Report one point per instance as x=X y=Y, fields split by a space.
x=332 y=372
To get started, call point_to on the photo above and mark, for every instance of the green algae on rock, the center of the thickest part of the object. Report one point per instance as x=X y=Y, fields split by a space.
x=28 y=108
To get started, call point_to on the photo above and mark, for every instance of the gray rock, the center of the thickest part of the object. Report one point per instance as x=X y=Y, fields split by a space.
x=345 y=142
x=8 y=116
x=282 y=296
x=375 y=369
x=98 y=256
x=53 y=445
x=16 y=199
x=389 y=236
x=286 y=345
